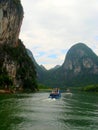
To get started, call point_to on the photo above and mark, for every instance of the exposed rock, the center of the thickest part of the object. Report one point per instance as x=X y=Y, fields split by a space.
x=80 y=57
x=88 y=63
x=16 y=67
x=79 y=68
x=10 y=66
x=11 y=16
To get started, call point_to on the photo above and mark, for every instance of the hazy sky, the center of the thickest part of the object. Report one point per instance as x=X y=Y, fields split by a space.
x=51 y=27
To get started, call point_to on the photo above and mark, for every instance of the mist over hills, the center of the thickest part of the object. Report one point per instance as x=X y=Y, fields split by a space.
x=79 y=68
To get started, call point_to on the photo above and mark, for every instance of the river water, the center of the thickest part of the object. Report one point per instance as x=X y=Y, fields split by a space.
x=78 y=111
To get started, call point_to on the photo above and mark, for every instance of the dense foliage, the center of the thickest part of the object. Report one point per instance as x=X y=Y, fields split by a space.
x=17 y=4
x=5 y=80
x=61 y=77
x=25 y=67
x=16 y=1
x=91 y=88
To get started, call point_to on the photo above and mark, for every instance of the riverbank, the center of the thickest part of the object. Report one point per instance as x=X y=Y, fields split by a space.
x=45 y=90
x=7 y=91
x=2 y=91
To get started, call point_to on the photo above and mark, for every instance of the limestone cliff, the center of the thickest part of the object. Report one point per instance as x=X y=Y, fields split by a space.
x=80 y=58
x=79 y=68
x=80 y=65
x=16 y=67
x=11 y=15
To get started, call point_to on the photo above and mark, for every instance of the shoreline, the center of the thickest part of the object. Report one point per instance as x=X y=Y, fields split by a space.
x=2 y=91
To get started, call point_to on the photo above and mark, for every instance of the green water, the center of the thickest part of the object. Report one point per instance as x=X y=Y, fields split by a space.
x=37 y=112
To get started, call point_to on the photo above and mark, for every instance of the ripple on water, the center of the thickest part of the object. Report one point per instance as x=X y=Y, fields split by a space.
x=38 y=112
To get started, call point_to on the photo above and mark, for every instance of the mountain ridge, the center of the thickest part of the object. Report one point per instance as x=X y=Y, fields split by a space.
x=79 y=68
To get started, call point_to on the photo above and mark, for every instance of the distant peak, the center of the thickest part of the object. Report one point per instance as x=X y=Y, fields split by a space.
x=42 y=67
x=80 y=44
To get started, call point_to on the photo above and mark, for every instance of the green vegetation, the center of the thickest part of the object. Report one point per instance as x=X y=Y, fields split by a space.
x=19 y=7
x=25 y=69
x=41 y=86
x=44 y=88
x=82 y=58
x=82 y=79
x=17 y=2
x=5 y=80
x=91 y=88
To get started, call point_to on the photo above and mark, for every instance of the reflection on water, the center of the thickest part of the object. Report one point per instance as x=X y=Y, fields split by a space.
x=38 y=112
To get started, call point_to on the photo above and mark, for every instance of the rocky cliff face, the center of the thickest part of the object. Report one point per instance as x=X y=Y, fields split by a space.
x=11 y=15
x=79 y=68
x=80 y=65
x=80 y=58
x=16 y=67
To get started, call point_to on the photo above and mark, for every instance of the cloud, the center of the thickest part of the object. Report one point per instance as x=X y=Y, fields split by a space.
x=52 y=26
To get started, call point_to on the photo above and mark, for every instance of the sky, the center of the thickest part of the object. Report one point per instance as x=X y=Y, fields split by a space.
x=51 y=27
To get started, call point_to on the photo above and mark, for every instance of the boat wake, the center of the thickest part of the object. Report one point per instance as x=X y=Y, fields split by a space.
x=49 y=99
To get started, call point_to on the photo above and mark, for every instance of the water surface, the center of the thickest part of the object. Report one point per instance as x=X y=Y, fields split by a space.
x=78 y=111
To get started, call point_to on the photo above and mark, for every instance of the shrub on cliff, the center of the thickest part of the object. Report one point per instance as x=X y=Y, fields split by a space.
x=25 y=69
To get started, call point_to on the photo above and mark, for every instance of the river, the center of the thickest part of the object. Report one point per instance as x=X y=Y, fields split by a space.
x=78 y=111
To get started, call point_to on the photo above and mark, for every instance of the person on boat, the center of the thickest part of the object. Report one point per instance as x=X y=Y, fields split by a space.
x=55 y=91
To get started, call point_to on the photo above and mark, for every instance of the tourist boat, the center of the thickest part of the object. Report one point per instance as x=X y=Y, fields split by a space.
x=55 y=94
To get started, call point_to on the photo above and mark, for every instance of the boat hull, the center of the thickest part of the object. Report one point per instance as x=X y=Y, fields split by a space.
x=55 y=95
